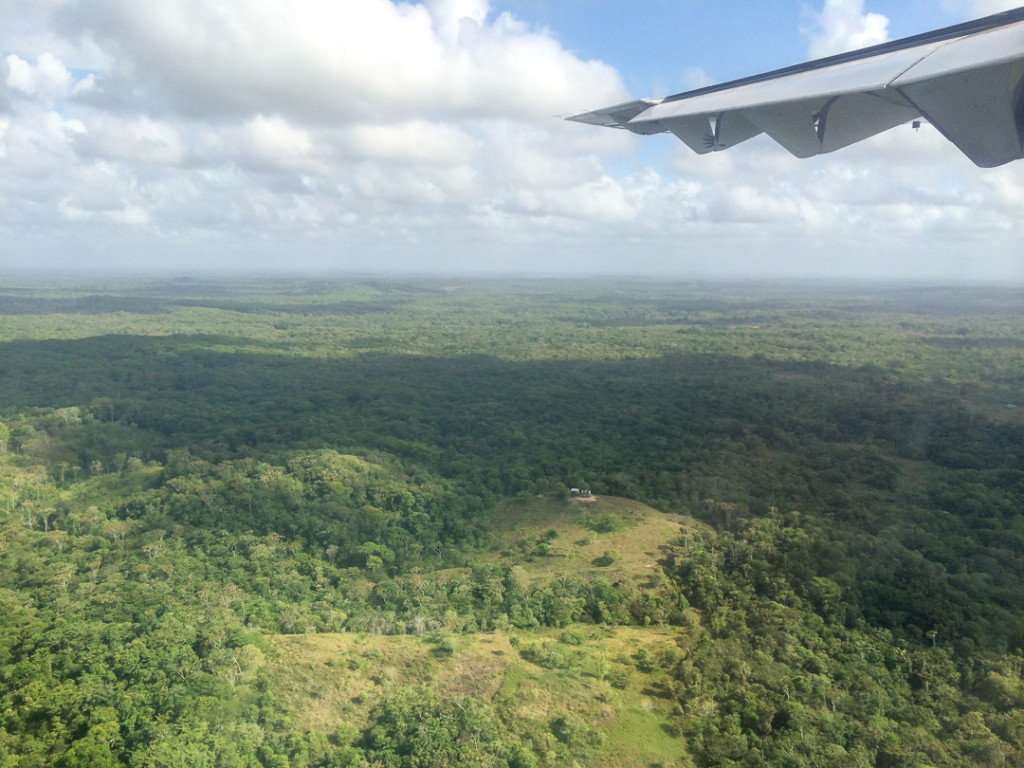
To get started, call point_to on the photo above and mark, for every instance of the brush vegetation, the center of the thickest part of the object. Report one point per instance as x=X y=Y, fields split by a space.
x=328 y=523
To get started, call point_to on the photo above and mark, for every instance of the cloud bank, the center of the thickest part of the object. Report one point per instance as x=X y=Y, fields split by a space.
x=422 y=137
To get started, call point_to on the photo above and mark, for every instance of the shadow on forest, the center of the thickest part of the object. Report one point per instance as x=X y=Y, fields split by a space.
x=145 y=305
x=163 y=296
x=610 y=420
x=85 y=305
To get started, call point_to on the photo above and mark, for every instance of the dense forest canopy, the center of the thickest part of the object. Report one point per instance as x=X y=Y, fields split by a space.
x=198 y=478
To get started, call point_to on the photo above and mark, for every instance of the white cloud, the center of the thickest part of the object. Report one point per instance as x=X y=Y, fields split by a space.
x=842 y=25
x=267 y=114
x=414 y=141
x=123 y=214
x=330 y=61
x=271 y=141
x=455 y=19
x=421 y=136
x=48 y=78
x=133 y=139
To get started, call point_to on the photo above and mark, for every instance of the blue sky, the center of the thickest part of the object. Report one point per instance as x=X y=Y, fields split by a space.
x=372 y=135
x=655 y=42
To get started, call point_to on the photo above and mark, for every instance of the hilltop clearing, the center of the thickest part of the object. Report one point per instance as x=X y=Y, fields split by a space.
x=609 y=536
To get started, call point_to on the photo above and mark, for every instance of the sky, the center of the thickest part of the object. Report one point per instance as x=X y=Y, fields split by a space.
x=342 y=136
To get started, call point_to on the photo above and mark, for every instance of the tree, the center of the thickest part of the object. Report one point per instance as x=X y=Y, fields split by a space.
x=95 y=749
x=117 y=530
x=375 y=555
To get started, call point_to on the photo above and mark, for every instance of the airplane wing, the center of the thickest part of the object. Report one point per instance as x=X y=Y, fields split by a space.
x=966 y=80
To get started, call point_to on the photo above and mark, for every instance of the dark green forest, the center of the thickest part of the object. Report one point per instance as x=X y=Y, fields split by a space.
x=194 y=472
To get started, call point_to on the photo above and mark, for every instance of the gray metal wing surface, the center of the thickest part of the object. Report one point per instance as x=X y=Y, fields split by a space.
x=966 y=80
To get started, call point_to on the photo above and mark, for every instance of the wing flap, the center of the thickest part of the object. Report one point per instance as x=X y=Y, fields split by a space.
x=794 y=125
x=980 y=111
x=858 y=116
x=695 y=131
x=732 y=128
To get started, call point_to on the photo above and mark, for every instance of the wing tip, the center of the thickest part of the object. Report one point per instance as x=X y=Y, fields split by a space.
x=615 y=116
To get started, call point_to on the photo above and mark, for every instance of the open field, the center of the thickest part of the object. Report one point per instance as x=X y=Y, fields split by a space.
x=586 y=531
x=324 y=681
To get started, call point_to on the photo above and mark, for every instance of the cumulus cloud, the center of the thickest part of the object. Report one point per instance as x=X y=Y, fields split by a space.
x=275 y=114
x=842 y=25
x=414 y=141
x=422 y=136
x=136 y=139
x=331 y=61
x=47 y=78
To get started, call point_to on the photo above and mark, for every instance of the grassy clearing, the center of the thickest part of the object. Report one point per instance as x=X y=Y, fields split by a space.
x=633 y=533
x=586 y=673
x=327 y=679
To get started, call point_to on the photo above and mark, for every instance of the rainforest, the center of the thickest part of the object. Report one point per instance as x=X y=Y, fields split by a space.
x=416 y=523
